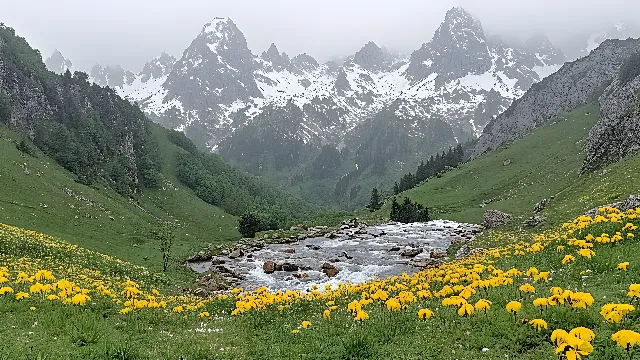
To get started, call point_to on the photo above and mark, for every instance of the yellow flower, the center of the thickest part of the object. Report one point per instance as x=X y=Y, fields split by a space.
x=125 y=311
x=558 y=336
x=583 y=333
x=305 y=324
x=326 y=314
x=393 y=304
x=514 y=306
x=361 y=316
x=626 y=339
x=465 y=310
x=295 y=331
x=33 y=308
x=539 y=324
x=21 y=295
x=425 y=314
x=568 y=259
x=483 y=305
x=527 y=288
x=52 y=297
x=204 y=314
x=80 y=299
x=560 y=248
x=540 y=302
x=588 y=253
x=6 y=290
x=624 y=266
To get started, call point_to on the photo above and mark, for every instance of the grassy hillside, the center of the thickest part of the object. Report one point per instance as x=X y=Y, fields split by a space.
x=59 y=301
x=544 y=164
x=38 y=194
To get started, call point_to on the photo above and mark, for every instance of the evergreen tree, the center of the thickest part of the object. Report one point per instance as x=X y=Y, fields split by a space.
x=408 y=212
x=249 y=225
x=394 y=210
x=374 y=203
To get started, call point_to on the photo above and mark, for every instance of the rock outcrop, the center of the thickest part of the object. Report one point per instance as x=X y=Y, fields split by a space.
x=617 y=133
x=495 y=218
x=574 y=85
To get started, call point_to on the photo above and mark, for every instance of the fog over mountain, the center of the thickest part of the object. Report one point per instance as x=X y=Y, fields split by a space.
x=129 y=33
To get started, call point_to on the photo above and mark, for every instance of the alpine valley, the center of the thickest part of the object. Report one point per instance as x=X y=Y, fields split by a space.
x=330 y=132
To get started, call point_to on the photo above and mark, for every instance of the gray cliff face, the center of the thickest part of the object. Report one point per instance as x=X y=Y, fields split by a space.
x=217 y=68
x=370 y=57
x=29 y=104
x=617 y=133
x=575 y=84
x=276 y=61
x=460 y=47
x=158 y=67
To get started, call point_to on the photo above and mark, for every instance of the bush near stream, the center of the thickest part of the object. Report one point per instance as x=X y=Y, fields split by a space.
x=570 y=293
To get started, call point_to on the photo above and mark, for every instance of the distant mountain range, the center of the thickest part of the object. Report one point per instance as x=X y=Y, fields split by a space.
x=275 y=113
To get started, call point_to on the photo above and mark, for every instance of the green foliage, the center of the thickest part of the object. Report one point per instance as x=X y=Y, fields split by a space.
x=219 y=184
x=251 y=223
x=181 y=140
x=408 y=212
x=543 y=165
x=374 y=203
x=433 y=167
x=630 y=69
x=97 y=218
x=164 y=234
x=25 y=148
x=87 y=129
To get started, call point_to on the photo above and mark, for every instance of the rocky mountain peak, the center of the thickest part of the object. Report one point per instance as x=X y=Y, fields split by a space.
x=459 y=29
x=370 y=57
x=219 y=64
x=458 y=48
x=304 y=63
x=275 y=60
x=58 y=63
x=158 y=67
x=112 y=76
x=544 y=50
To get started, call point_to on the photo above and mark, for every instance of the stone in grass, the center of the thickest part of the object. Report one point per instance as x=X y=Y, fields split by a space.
x=495 y=218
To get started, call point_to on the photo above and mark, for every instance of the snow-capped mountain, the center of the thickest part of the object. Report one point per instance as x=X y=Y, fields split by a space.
x=218 y=86
x=58 y=63
x=273 y=111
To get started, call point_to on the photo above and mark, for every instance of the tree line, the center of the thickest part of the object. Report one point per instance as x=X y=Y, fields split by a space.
x=432 y=167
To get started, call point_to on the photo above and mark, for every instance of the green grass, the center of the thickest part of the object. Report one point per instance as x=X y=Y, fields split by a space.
x=101 y=219
x=98 y=331
x=544 y=164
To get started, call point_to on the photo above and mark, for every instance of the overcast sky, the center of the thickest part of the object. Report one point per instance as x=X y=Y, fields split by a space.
x=131 y=32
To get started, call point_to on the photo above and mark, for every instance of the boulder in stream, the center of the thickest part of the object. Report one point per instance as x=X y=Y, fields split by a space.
x=290 y=267
x=412 y=252
x=269 y=267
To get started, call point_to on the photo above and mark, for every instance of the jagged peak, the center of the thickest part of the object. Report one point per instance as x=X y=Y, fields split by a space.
x=370 y=56
x=217 y=24
x=459 y=13
x=461 y=25
x=164 y=56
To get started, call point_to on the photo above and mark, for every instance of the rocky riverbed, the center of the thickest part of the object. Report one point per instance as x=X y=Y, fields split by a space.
x=355 y=253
